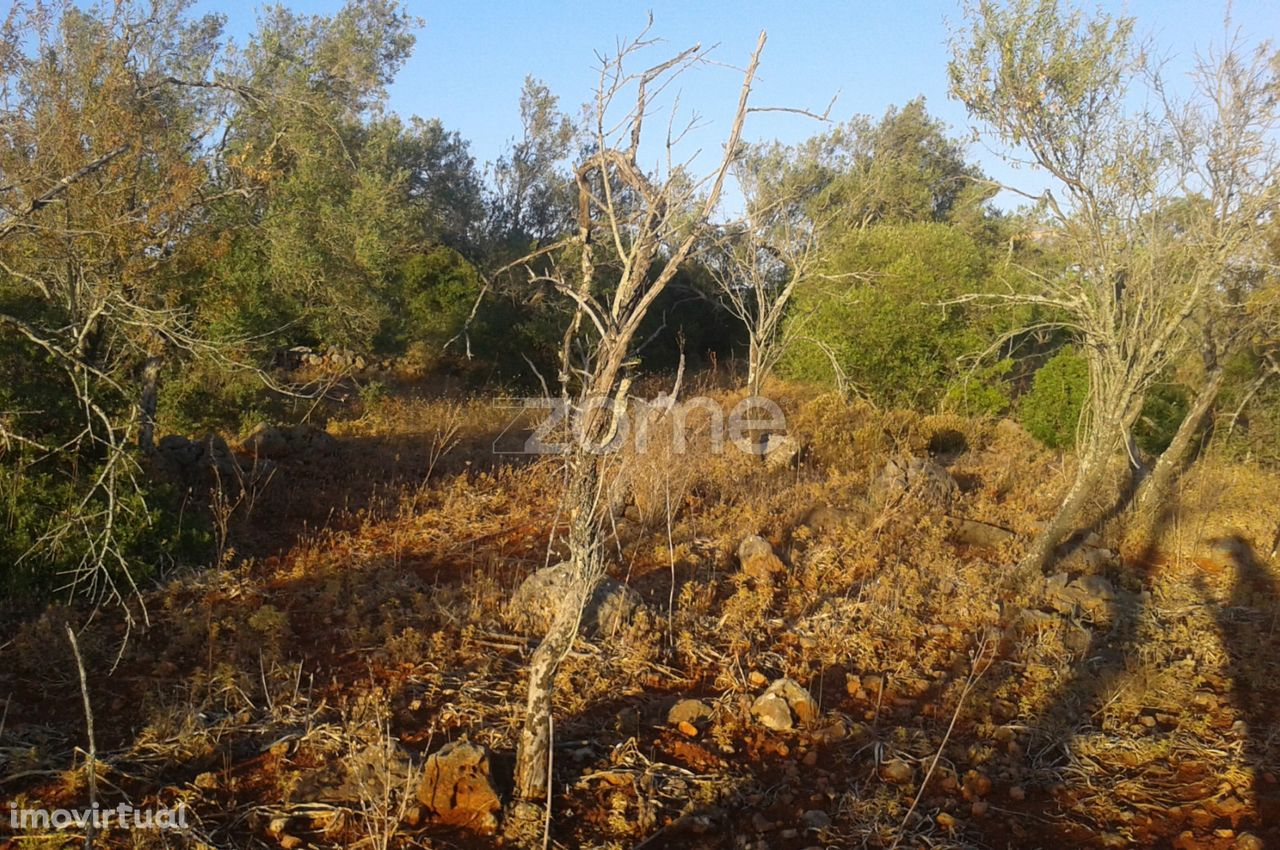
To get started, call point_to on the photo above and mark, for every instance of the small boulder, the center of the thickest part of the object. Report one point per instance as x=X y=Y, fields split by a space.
x=784 y=703
x=178 y=449
x=458 y=789
x=309 y=439
x=266 y=441
x=983 y=535
x=779 y=451
x=896 y=771
x=612 y=606
x=1091 y=594
x=825 y=518
x=772 y=712
x=758 y=559
x=916 y=478
x=816 y=819
x=691 y=711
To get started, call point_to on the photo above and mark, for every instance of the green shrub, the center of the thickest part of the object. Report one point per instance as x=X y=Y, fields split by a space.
x=881 y=311
x=1051 y=410
x=150 y=530
x=1163 y=410
x=432 y=294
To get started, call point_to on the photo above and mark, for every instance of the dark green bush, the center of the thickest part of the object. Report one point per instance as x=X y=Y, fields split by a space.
x=881 y=310
x=1051 y=410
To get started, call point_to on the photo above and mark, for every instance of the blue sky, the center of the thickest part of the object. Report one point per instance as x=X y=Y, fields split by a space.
x=471 y=57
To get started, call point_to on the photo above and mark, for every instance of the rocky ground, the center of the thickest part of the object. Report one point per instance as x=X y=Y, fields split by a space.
x=826 y=648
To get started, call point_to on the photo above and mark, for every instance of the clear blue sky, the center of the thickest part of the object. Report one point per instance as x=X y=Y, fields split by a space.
x=471 y=57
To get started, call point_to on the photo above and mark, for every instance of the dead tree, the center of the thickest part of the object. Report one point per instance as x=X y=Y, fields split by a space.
x=635 y=230
x=758 y=263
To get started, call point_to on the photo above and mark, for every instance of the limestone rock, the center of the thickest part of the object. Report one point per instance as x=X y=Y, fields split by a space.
x=772 y=712
x=458 y=789
x=983 y=535
x=779 y=451
x=612 y=606
x=816 y=819
x=1092 y=594
x=783 y=704
x=184 y=458
x=274 y=442
x=758 y=559
x=916 y=478
x=825 y=518
x=266 y=441
x=896 y=771
x=688 y=711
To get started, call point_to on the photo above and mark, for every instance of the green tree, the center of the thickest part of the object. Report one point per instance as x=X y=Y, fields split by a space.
x=1062 y=86
x=106 y=186
x=878 y=316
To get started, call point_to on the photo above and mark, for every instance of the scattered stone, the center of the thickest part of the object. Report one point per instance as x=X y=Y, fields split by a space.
x=758 y=559
x=266 y=441
x=688 y=711
x=1248 y=841
x=290 y=842
x=976 y=786
x=772 y=711
x=310 y=440
x=1091 y=594
x=946 y=821
x=983 y=535
x=816 y=819
x=350 y=778
x=779 y=451
x=687 y=729
x=1017 y=792
x=275 y=442
x=612 y=606
x=833 y=732
x=756 y=678
x=979 y=808
x=457 y=787
x=783 y=704
x=207 y=781
x=825 y=518
x=183 y=458
x=916 y=478
x=896 y=771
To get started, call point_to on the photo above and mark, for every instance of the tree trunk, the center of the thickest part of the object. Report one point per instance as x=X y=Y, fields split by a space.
x=147 y=401
x=1089 y=476
x=534 y=750
x=755 y=354
x=1156 y=488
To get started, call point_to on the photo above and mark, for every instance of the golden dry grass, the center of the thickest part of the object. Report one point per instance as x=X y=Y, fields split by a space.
x=1133 y=725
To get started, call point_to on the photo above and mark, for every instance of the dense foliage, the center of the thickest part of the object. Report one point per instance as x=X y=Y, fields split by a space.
x=178 y=210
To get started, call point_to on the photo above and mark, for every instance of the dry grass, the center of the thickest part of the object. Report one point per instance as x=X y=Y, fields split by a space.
x=1146 y=720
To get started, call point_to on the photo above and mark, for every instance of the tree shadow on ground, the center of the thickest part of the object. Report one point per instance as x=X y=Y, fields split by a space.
x=1085 y=723
x=1247 y=624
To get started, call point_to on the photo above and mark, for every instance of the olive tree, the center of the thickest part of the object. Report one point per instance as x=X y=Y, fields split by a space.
x=1149 y=205
x=1234 y=197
